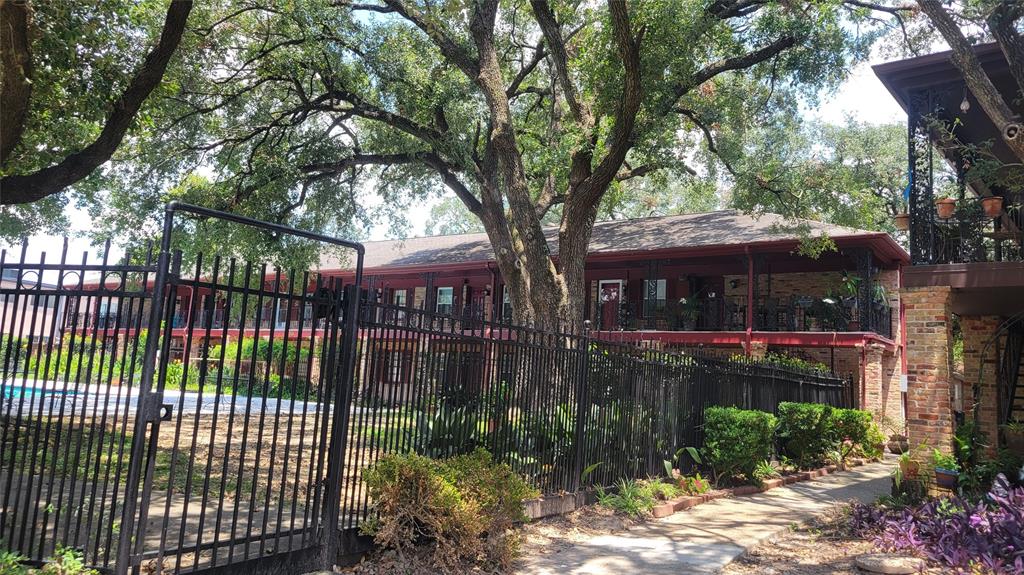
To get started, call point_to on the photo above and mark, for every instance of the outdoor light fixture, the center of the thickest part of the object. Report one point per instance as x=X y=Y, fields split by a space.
x=734 y=284
x=965 y=105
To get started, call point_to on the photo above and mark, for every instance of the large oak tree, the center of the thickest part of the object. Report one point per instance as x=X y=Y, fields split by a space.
x=526 y=111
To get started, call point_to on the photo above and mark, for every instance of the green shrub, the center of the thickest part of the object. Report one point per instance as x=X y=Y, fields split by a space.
x=463 y=507
x=805 y=432
x=736 y=440
x=851 y=429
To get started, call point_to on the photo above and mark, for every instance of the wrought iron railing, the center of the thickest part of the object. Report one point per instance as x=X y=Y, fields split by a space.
x=971 y=237
x=795 y=313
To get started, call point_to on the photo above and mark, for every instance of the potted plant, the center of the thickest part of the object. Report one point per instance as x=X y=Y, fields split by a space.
x=947 y=470
x=689 y=311
x=945 y=207
x=902 y=218
x=898 y=444
x=1013 y=432
x=908 y=467
x=993 y=205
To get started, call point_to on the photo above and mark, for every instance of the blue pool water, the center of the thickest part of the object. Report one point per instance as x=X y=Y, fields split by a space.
x=20 y=391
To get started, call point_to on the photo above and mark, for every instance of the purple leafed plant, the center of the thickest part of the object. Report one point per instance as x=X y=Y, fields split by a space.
x=986 y=537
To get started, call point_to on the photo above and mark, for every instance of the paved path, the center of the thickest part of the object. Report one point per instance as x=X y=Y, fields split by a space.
x=708 y=537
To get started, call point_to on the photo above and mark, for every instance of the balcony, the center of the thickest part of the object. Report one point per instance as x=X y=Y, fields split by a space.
x=786 y=314
x=969 y=236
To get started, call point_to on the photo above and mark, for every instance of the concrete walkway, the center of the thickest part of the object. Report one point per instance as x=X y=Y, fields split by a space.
x=710 y=536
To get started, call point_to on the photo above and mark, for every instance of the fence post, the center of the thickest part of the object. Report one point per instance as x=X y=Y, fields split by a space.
x=582 y=403
x=343 y=386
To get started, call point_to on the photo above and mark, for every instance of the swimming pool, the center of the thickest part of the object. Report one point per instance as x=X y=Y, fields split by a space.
x=22 y=391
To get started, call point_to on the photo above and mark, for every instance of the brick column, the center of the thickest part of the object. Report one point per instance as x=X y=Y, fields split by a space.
x=929 y=337
x=977 y=330
x=872 y=384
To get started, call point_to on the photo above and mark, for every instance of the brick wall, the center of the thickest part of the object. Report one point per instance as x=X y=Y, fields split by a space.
x=929 y=337
x=977 y=331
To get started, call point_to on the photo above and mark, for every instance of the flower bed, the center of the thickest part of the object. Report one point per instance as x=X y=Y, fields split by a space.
x=982 y=537
x=686 y=502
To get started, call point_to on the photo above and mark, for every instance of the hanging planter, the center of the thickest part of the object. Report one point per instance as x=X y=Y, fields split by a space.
x=902 y=222
x=993 y=206
x=945 y=207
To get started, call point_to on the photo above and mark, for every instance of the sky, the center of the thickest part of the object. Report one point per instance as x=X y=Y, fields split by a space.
x=862 y=96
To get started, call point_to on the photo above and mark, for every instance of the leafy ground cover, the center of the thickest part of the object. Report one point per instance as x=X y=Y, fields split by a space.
x=969 y=536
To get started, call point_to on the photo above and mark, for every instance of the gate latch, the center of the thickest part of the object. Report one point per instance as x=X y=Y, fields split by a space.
x=155 y=410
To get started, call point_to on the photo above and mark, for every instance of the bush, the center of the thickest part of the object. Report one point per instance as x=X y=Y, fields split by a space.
x=463 y=507
x=736 y=440
x=850 y=429
x=805 y=432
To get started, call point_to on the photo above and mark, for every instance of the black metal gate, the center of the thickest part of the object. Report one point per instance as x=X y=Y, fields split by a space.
x=162 y=415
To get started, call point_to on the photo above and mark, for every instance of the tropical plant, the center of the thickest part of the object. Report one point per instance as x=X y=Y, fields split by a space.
x=944 y=461
x=765 y=471
x=628 y=497
x=445 y=432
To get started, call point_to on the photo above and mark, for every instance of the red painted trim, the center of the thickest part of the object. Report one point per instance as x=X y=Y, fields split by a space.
x=749 y=320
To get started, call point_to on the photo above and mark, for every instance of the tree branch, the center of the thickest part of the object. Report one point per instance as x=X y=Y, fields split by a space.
x=735 y=63
x=447 y=171
x=974 y=75
x=24 y=188
x=1002 y=24
x=449 y=48
x=538 y=55
x=709 y=139
x=553 y=36
x=621 y=138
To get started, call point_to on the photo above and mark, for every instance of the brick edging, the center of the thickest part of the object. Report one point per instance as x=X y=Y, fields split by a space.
x=682 y=503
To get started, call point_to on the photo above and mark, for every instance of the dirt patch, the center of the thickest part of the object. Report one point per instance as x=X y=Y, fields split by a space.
x=555 y=533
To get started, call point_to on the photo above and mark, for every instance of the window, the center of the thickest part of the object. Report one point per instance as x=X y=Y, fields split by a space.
x=445 y=300
x=399 y=298
x=506 y=304
x=654 y=296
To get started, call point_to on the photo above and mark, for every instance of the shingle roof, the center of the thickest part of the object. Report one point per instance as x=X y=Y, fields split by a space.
x=727 y=227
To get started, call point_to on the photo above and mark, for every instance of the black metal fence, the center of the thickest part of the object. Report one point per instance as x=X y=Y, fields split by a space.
x=550 y=404
x=186 y=431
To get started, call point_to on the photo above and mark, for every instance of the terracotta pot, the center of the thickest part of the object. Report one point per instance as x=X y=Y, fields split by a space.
x=902 y=222
x=910 y=468
x=993 y=206
x=853 y=325
x=945 y=207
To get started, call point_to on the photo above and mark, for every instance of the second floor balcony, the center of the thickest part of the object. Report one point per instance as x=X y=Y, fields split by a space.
x=781 y=314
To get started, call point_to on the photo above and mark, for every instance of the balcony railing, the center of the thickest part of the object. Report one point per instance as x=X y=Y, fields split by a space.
x=107 y=321
x=797 y=313
x=970 y=237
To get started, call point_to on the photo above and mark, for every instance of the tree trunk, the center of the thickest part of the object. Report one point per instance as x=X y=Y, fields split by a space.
x=975 y=77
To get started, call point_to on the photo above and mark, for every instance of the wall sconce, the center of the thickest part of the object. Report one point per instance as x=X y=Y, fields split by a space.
x=734 y=284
